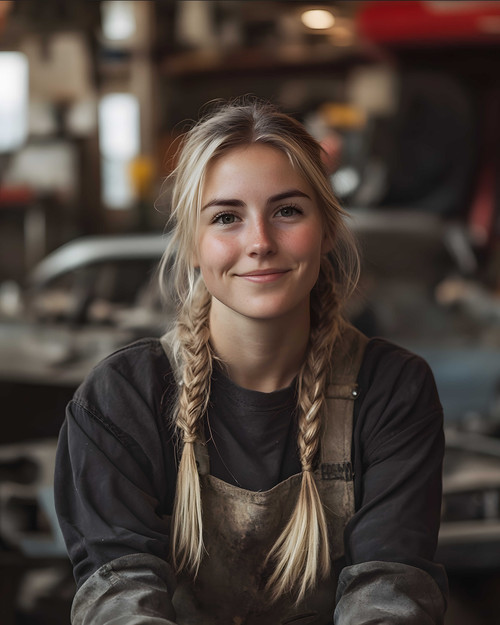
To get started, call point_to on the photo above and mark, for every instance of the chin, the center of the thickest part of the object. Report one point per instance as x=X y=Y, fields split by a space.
x=275 y=313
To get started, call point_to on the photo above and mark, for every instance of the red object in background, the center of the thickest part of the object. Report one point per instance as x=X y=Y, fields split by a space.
x=15 y=196
x=482 y=212
x=430 y=21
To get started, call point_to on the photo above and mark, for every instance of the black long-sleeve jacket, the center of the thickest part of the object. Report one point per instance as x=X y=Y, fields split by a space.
x=116 y=473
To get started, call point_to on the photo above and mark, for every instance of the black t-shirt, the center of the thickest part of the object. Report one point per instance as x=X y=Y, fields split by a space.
x=117 y=456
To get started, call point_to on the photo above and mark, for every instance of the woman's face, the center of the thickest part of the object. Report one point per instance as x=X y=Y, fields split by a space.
x=260 y=236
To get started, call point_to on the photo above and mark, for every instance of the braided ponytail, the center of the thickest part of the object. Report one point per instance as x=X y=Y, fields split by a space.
x=301 y=552
x=193 y=347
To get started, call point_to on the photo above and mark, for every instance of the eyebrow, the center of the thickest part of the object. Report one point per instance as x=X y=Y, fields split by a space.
x=284 y=195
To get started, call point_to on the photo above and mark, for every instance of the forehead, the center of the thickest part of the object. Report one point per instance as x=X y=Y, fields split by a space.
x=257 y=164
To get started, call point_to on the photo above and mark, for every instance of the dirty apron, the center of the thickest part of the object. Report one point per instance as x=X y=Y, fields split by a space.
x=241 y=526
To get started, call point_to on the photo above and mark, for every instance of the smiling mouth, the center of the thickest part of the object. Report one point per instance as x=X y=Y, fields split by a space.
x=266 y=275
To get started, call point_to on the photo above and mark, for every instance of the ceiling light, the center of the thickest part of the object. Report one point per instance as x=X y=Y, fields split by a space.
x=317 y=19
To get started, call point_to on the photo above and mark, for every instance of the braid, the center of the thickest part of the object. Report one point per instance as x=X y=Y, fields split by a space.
x=302 y=550
x=196 y=356
x=316 y=368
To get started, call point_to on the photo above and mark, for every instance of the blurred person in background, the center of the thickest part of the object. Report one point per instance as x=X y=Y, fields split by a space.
x=263 y=462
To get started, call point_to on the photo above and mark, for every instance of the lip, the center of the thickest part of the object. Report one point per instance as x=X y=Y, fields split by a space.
x=264 y=275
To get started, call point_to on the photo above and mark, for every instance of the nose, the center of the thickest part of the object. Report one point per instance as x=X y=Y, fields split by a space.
x=260 y=241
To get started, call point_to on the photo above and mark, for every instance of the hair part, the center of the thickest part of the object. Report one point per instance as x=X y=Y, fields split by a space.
x=301 y=554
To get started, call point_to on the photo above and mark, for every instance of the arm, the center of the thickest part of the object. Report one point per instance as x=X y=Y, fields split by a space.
x=112 y=499
x=131 y=590
x=390 y=542
x=388 y=593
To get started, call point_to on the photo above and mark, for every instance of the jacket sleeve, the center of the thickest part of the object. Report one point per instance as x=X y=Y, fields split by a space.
x=388 y=593
x=390 y=542
x=131 y=590
x=112 y=497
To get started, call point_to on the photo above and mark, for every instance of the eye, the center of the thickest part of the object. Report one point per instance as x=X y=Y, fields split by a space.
x=289 y=211
x=225 y=219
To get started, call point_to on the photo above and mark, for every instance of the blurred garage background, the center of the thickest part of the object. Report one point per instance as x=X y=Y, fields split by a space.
x=404 y=96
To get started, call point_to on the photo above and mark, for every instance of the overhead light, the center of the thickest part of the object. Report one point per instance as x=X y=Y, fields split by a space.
x=318 y=19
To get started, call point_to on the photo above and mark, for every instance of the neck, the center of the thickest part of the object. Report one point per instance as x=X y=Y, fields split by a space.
x=262 y=355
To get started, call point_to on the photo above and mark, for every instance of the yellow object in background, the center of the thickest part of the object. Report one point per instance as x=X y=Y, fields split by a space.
x=342 y=115
x=142 y=172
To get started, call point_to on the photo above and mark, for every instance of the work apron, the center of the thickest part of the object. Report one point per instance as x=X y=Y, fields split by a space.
x=241 y=526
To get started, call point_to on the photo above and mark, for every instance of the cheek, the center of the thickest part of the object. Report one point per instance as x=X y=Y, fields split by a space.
x=214 y=254
x=306 y=243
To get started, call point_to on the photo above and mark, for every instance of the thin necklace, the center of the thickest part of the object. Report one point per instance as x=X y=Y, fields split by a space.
x=218 y=452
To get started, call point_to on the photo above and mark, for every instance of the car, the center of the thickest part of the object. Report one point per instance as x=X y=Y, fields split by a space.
x=81 y=302
x=470 y=526
x=418 y=290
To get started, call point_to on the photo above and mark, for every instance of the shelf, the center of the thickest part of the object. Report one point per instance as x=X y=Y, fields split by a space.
x=213 y=63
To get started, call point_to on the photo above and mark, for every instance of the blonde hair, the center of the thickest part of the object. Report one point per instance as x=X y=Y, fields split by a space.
x=301 y=554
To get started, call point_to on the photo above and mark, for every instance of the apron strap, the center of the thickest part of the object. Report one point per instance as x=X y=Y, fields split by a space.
x=341 y=393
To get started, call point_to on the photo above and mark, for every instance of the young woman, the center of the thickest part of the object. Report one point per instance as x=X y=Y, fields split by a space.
x=263 y=462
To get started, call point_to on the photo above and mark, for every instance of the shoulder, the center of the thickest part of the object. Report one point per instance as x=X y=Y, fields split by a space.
x=129 y=384
x=391 y=366
x=145 y=351
x=396 y=391
x=137 y=364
